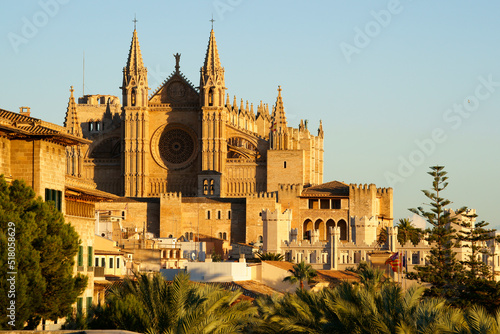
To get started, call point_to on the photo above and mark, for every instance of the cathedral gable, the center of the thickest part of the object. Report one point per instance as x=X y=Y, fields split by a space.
x=175 y=90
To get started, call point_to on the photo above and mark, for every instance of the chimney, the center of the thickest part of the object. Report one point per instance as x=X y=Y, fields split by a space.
x=25 y=111
x=242 y=258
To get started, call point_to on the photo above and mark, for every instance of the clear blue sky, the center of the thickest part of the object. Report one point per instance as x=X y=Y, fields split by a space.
x=399 y=85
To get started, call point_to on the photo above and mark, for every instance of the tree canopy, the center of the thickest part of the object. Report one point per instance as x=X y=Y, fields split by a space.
x=301 y=272
x=45 y=247
x=443 y=270
x=151 y=304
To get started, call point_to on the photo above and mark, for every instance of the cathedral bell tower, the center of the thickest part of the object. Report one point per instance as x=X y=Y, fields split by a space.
x=212 y=93
x=136 y=130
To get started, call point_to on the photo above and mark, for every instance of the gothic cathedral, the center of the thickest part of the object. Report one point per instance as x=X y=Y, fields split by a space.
x=190 y=140
x=197 y=163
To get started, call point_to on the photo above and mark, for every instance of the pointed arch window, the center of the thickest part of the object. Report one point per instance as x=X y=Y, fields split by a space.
x=212 y=187
x=211 y=97
x=205 y=187
x=133 y=97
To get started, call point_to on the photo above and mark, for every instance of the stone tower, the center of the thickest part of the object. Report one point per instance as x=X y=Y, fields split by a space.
x=212 y=93
x=135 y=130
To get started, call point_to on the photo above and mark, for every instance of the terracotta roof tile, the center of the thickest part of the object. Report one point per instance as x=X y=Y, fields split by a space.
x=334 y=188
x=281 y=264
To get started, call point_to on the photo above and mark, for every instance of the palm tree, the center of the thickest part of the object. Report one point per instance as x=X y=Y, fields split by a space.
x=372 y=278
x=301 y=272
x=408 y=232
x=389 y=310
x=151 y=304
x=270 y=256
x=292 y=313
x=479 y=321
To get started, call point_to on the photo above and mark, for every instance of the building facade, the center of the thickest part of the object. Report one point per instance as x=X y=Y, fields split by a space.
x=198 y=162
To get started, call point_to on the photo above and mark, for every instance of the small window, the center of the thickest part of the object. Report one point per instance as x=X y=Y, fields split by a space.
x=79 y=305
x=284 y=164
x=224 y=236
x=205 y=187
x=229 y=214
x=80 y=256
x=103 y=262
x=97 y=262
x=118 y=263
x=55 y=196
x=313 y=204
x=110 y=262
x=90 y=255
x=336 y=204
x=89 y=302
x=220 y=235
x=219 y=214
x=212 y=187
x=208 y=214
x=324 y=204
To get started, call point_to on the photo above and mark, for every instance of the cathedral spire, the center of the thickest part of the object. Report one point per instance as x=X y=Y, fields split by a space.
x=212 y=85
x=134 y=62
x=135 y=79
x=279 y=118
x=212 y=60
x=71 y=121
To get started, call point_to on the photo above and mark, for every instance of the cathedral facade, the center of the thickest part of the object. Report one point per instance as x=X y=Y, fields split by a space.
x=198 y=163
x=187 y=139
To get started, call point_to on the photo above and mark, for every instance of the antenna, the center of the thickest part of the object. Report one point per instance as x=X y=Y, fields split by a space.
x=83 y=74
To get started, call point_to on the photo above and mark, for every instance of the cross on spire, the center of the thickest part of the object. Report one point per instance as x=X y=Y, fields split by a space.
x=135 y=22
x=212 y=20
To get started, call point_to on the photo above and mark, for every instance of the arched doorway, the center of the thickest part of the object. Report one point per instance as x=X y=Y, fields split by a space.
x=320 y=226
x=308 y=226
x=343 y=229
x=329 y=223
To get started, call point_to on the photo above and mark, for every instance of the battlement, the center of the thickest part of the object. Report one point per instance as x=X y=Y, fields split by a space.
x=263 y=195
x=171 y=196
x=384 y=191
x=295 y=188
x=277 y=214
x=362 y=187
x=98 y=99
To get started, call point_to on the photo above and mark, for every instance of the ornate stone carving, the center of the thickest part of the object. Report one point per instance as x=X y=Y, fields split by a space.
x=176 y=91
x=174 y=146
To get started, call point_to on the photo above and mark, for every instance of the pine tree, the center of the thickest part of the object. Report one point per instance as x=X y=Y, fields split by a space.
x=475 y=236
x=45 y=247
x=443 y=269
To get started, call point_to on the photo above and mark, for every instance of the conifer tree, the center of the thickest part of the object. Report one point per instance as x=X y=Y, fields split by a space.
x=45 y=247
x=443 y=270
x=475 y=236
